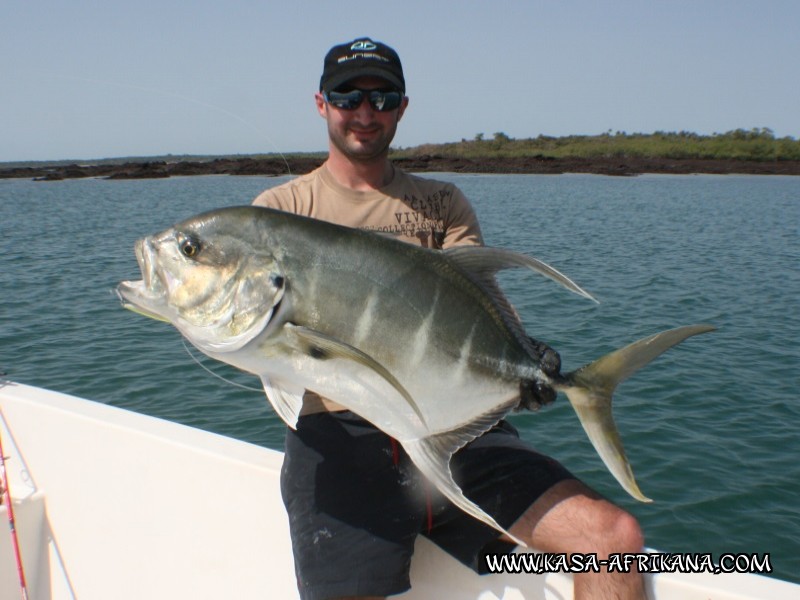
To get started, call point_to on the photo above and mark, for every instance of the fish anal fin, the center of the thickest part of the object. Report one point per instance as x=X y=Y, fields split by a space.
x=432 y=457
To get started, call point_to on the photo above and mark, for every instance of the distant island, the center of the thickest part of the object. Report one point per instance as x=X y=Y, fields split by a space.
x=755 y=151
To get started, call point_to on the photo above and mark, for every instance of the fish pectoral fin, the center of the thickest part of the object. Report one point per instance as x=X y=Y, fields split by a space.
x=286 y=400
x=486 y=262
x=590 y=390
x=432 y=456
x=321 y=346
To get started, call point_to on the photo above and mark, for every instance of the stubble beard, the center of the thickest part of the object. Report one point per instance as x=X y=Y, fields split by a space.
x=359 y=150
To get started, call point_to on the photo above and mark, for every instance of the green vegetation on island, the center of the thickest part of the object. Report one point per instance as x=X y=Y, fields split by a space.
x=758 y=144
x=755 y=151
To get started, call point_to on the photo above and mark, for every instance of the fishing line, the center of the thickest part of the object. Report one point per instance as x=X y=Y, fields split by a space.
x=251 y=127
x=207 y=370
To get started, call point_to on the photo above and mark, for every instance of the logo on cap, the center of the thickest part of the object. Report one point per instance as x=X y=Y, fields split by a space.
x=363 y=45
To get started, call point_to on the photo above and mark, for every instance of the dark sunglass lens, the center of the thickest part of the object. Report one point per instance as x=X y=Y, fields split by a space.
x=349 y=100
x=382 y=101
x=385 y=101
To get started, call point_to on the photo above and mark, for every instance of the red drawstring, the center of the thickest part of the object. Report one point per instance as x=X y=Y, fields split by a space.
x=428 y=505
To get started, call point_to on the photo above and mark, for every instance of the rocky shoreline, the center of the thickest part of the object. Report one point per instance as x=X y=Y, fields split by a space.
x=621 y=166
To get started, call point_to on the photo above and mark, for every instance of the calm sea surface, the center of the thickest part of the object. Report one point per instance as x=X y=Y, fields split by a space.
x=712 y=428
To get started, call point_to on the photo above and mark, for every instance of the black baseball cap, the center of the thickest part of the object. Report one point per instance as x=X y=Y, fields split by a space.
x=361 y=57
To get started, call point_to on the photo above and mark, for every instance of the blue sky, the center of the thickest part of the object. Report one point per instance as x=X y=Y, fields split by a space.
x=82 y=80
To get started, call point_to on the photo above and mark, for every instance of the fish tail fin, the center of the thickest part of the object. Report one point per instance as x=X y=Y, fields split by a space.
x=590 y=388
x=432 y=458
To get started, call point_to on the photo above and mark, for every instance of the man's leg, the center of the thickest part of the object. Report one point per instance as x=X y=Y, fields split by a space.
x=351 y=518
x=570 y=517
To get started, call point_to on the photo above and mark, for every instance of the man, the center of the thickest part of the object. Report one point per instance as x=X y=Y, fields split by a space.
x=355 y=501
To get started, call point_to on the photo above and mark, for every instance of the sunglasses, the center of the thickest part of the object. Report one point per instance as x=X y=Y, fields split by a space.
x=379 y=100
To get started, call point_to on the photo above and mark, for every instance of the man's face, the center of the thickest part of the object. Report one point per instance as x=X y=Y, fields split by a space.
x=362 y=134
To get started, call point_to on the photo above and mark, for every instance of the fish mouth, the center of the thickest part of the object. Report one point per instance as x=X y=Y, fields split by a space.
x=145 y=296
x=144 y=251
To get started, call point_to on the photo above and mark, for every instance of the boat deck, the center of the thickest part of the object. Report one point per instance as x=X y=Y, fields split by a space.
x=114 y=504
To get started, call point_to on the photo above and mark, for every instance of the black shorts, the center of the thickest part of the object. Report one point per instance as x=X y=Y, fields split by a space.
x=356 y=502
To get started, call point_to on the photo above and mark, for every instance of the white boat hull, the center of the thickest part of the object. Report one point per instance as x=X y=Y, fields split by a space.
x=114 y=504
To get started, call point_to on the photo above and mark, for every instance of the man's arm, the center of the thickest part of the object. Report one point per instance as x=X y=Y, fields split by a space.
x=461 y=227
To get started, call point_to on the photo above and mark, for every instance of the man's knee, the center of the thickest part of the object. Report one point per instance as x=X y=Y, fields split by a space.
x=620 y=531
x=573 y=518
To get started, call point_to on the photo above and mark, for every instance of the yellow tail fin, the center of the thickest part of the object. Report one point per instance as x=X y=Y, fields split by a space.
x=590 y=388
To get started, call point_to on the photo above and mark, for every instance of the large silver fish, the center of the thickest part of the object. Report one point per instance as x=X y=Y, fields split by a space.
x=419 y=342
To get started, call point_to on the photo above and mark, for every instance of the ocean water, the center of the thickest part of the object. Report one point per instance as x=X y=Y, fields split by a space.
x=712 y=428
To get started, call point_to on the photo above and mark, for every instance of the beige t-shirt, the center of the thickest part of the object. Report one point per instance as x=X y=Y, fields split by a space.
x=434 y=214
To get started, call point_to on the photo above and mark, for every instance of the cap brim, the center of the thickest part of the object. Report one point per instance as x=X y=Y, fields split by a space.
x=342 y=78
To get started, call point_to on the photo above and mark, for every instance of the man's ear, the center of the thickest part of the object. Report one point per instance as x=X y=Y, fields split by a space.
x=402 y=108
x=321 y=105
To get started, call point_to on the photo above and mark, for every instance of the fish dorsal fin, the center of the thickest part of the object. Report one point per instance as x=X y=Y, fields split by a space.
x=432 y=456
x=484 y=262
x=322 y=346
x=481 y=263
x=286 y=400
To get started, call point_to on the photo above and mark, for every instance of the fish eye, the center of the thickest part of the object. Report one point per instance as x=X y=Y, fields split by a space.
x=190 y=248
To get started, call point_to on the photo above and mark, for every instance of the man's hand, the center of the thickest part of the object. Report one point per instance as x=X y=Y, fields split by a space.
x=549 y=359
x=535 y=394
